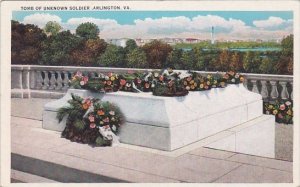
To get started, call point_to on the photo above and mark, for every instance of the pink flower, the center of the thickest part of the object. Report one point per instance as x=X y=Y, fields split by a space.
x=161 y=78
x=85 y=79
x=92 y=118
x=106 y=120
x=280 y=116
x=92 y=125
x=282 y=107
x=112 y=113
x=110 y=74
x=78 y=74
x=139 y=81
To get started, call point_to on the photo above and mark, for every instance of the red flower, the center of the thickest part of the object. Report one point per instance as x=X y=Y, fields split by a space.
x=161 y=78
x=122 y=82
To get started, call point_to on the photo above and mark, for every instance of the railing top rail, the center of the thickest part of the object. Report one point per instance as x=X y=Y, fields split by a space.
x=266 y=77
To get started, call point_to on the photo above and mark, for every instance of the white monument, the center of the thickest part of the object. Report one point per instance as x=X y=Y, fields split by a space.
x=169 y=123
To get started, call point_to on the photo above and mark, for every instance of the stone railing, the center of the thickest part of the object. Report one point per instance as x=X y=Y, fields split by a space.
x=53 y=81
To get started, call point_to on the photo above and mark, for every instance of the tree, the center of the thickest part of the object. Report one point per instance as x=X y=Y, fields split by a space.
x=187 y=59
x=26 y=42
x=224 y=61
x=112 y=57
x=199 y=58
x=287 y=45
x=136 y=58
x=52 y=28
x=267 y=66
x=174 y=59
x=236 y=62
x=88 y=52
x=157 y=53
x=88 y=30
x=251 y=62
x=130 y=45
x=56 y=49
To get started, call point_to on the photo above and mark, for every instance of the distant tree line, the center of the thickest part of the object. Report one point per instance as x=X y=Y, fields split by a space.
x=53 y=46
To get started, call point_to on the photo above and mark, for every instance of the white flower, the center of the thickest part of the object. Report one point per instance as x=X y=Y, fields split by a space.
x=114 y=128
x=236 y=75
x=106 y=78
x=288 y=103
x=232 y=80
x=81 y=83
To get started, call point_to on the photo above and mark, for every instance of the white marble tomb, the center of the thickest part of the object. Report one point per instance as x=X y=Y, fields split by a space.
x=169 y=123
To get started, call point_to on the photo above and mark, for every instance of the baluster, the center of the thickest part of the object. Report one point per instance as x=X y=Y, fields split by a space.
x=246 y=83
x=46 y=81
x=264 y=90
x=284 y=93
x=93 y=74
x=39 y=80
x=66 y=80
x=33 y=77
x=59 y=81
x=254 y=88
x=52 y=80
x=292 y=96
x=274 y=92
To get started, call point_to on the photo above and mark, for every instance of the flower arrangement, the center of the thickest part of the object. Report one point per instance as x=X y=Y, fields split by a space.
x=91 y=121
x=232 y=77
x=197 y=82
x=283 y=110
x=161 y=83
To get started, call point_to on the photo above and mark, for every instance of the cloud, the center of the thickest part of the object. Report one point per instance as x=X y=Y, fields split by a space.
x=273 y=23
x=40 y=19
x=180 y=26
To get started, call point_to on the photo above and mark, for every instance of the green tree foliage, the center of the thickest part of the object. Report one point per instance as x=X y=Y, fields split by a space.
x=285 y=62
x=88 y=51
x=174 y=59
x=236 y=63
x=52 y=28
x=25 y=43
x=267 y=66
x=130 y=45
x=224 y=61
x=198 y=58
x=88 y=30
x=136 y=58
x=251 y=62
x=157 y=53
x=56 y=49
x=187 y=60
x=113 y=56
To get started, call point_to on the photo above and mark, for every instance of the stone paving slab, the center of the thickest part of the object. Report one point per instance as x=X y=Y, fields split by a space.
x=27 y=177
x=264 y=162
x=138 y=164
x=256 y=174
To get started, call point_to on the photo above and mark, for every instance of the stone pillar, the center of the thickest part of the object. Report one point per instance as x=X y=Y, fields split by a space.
x=284 y=93
x=254 y=88
x=264 y=90
x=274 y=92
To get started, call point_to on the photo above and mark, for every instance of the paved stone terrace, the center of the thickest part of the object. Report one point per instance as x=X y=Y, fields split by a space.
x=132 y=165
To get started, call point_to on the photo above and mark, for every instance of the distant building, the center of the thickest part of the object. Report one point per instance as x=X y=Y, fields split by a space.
x=191 y=40
x=118 y=42
x=212 y=35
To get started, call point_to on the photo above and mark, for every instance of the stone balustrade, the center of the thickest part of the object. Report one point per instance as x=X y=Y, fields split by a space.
x=53 y=81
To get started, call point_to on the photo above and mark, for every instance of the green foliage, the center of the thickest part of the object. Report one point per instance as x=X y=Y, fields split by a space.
x=130 y=45
x=112 y=57
x=251 y=62
x=56 y=49
x=267 y=66
x=88 y=30
x=25 y=43
x=52 y=28
x=287 y=44
x=79 y=124
x=174 y=59
x=136 y=58
x=157 y=53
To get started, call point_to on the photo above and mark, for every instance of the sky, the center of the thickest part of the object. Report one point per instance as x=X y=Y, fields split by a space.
x=173 y=24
